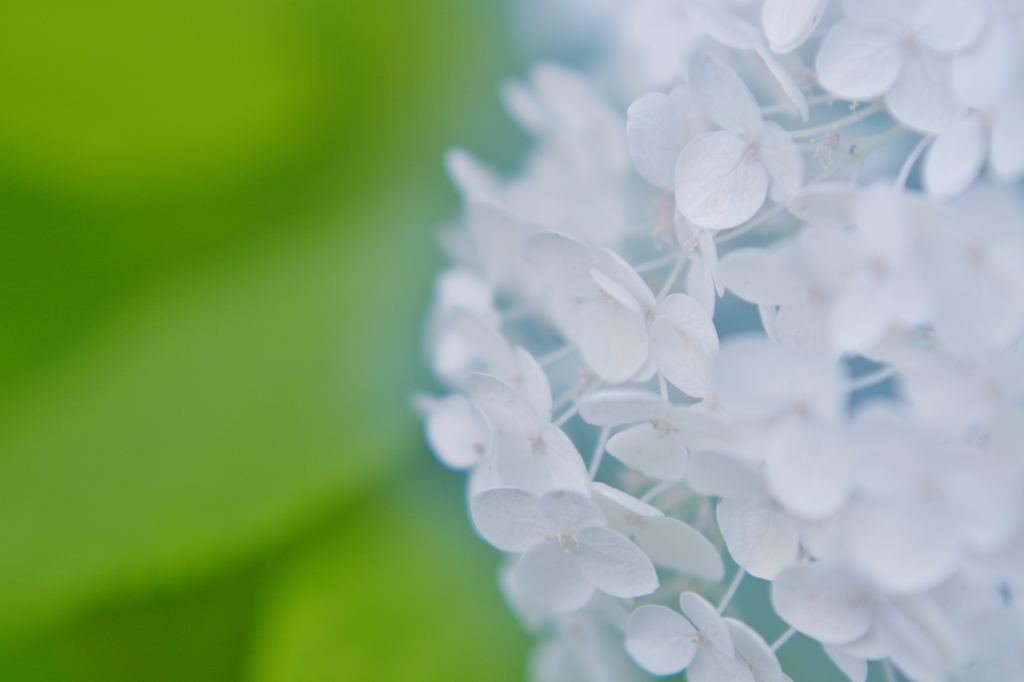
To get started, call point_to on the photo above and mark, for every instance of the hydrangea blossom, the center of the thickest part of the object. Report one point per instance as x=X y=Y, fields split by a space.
x=780 y=311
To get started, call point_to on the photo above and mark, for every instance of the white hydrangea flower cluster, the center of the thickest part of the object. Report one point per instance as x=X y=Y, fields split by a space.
x=584 y=311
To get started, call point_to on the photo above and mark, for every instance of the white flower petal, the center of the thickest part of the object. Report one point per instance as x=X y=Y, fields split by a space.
x=788 y=23
x=672 y=544
x=617 y=566
x=564 y=461
x=684 y=341
x=858 y=64
x=498 y=237
x=612 y=338
x=780 y=156
x=533 y=383
x=922 y=97
x=769 y=315
x=655 y=450
x=764 y=277
x=853 y=667
x=519 y=463
x=470 y=175
x=646 y=371
x=548 y=575
x=827 y=602
x=482 y=477
x=561 y=262
x=660 y=640
x=699 y=425
x=982 y=76
x=809 y=468
x=1007 y=152
x=718 y=183
x=622 y=406
x=755 y=652
x=711 y=665
x=861 y=314
x=760 y=536
x=826 y=205
x=467 y=344
x=706 y=619
x=880 y=15
x=656 y=133
x=623 y=510
x=949 y=25
x=723 y=26
x=509 y=518
x=905 y=547
x=757 y=379
x=785 y=79
x=911 y=650
x=700 y=286
x=723 y=96
x=720 y=474
x=807 y=324
x=453 y=434
x=613 y=265
x=570 y=510
x=955 y=158
x=506 y=409
x=539 y=464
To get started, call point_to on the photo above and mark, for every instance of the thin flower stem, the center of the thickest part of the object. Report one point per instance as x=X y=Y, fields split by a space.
x=778 y=644
x=657 y=263
x=838 y=123
x=782 y=108
x=890 y=674
x=568 y=395
x=657 y=490
x=568 y=414
x=732 y=589
x=571 y=412
x=599 y=452
x=673 y=276
x=556 y=355
x=908 y=165
x=871 y=378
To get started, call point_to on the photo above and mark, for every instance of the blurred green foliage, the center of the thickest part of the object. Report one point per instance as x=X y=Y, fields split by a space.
x=215 y=251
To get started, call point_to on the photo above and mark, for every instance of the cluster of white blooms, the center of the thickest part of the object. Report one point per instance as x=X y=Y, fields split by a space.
x=845 y=173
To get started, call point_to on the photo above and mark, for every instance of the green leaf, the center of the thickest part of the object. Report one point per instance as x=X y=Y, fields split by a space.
x=400 y=590
x=212 y=418
x=198 y=634
x=213 y=267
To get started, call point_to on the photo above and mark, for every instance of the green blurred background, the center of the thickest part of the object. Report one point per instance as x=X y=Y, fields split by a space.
x=216 y=244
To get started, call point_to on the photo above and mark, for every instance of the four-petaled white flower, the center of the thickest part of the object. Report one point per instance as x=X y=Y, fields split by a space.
x=722 y=177
x=529 y=451
x=567 y=549
x=658 y=446
x=788 y=401
x=668 y=542
x=699 y=641
x=901 y=50
x=620 y=327
x=760 y=535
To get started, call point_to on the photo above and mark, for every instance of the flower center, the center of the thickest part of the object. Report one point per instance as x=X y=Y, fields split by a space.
x=536 y=443
x=750 y=146
x=568 y=541
x=663 y=427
